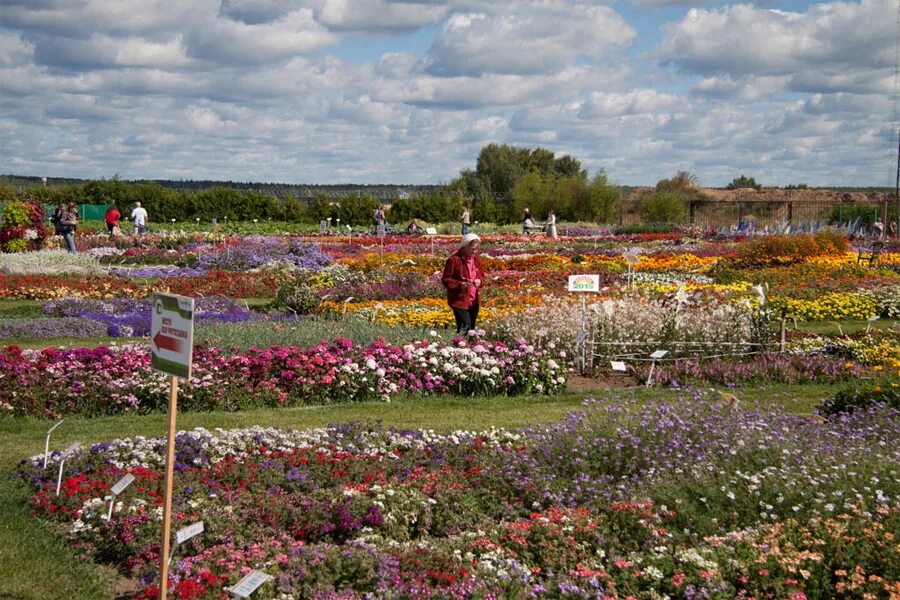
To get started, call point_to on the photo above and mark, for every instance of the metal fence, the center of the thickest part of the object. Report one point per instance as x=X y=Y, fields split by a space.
x=764 y=212
x=86 y=212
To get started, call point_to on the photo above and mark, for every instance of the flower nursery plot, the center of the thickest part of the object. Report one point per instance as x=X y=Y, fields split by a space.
x=683 y=499
x=686 y=499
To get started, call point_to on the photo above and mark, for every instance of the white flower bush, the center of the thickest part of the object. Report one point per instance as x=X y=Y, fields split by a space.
x=636 y=326
x=48 y=262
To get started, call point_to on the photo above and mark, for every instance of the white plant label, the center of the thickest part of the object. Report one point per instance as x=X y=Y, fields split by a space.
x=618 y=365
x=183 y=535
x=250 y=583
x=659 y=354
x=121 y=484
x=584 y=283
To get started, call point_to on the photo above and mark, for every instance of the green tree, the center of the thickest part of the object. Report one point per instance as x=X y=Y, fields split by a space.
x=663 y=207
x=743 y=182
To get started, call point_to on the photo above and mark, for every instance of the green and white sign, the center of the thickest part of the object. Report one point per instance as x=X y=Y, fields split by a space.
x=172 y=334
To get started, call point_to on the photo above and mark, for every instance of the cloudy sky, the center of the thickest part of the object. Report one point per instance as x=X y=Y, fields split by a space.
x=408 y=91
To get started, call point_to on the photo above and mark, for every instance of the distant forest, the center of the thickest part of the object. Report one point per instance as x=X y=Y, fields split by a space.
x=283 y=191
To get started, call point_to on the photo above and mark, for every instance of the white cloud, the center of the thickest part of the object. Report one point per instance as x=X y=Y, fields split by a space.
x=545 y=39
x=228 y=41
x=14 y=50
x=819 y=47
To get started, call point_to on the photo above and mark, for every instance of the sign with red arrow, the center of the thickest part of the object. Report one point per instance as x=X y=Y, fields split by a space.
x=172 y=334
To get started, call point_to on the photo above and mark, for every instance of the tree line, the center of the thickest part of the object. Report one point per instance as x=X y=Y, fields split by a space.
x=505 y=181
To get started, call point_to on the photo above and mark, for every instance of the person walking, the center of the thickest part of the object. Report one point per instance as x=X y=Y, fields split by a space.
x=463 y=278
x=527 y=222
x=551 y=225
x=112 y=220
x=56 y=219
x=139 y=218
x=69 y=222
x=465 y=220
x=380 y=221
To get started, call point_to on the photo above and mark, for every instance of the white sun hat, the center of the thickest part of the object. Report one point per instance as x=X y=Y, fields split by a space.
x=468 y=239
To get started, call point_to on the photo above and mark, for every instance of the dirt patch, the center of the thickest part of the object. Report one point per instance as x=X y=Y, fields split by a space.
x=577 y=383
x=127 y=588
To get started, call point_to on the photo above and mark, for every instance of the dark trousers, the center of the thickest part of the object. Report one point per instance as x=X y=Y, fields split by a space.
x=465 y=318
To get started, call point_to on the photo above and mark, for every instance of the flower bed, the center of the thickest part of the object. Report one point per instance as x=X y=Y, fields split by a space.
x=680 y=500
x=104 y=381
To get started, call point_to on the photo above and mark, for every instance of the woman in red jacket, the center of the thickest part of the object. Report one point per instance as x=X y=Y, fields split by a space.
x=464 y=277
x=112 y=219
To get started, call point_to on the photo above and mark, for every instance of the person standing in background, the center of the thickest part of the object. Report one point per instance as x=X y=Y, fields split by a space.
x=68 y=223
x=56 y=219
x=551 y=225
x=112 y=219
x=139 y=217
x=465 y=220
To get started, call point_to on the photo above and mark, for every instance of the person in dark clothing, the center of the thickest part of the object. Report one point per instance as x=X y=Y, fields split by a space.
x=464 y=277
x=56 y=219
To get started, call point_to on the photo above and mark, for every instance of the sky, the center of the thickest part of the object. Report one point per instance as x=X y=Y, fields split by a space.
x=409 y=91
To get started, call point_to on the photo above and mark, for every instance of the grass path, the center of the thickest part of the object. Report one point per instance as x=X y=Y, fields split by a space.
x=36 y=564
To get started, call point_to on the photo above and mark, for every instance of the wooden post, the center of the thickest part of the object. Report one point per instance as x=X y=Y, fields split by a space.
x=170 y=477
x=783 y=344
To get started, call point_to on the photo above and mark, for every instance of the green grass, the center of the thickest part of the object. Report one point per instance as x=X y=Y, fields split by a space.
x=832 y=328
x=20 y=309
x=309 y=332
x=35 y=562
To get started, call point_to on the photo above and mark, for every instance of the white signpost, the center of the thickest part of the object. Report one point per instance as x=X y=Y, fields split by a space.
x=583 y=283
x=47 y=441
x=171 y=351
x=658 y=354
x=631 y=258
x=184 y=534
x=117 y=489
x=431 y=232
x=62 y=461
x=251 y=581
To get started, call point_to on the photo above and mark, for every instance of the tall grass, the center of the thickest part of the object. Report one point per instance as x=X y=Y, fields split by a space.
x=309 y=332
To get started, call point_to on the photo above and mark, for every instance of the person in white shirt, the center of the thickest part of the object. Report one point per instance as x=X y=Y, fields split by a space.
x=139 y=216
x=551 y=225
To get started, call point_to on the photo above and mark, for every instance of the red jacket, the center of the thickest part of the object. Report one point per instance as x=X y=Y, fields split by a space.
x=455 y=273
x=112 y=217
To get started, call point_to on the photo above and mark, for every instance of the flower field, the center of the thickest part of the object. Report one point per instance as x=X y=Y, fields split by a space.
x=705 y=496
x=683 y=500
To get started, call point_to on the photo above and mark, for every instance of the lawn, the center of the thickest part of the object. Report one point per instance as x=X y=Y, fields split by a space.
x=35 y=562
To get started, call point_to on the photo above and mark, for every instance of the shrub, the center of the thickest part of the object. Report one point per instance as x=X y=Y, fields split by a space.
x=298 y=297
x=863 y=396
x=663 y=207
x=22 y=227
x=843 y=213
x=644 y=228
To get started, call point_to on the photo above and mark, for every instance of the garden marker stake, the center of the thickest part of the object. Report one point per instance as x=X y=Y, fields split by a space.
x=171 y=351
x=170 y=478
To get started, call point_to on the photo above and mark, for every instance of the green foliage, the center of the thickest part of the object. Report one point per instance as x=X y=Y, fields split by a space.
x=863 y=396
x=743 y=182
x=663 y=207
x=847 y=213
x=683 y=184
x=298 y=297
x=644 y=228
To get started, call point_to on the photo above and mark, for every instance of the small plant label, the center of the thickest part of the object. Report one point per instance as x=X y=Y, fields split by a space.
x=659 y=354
x=431 y=231
x=71 y=449
x=618 y=365
x=121 y=484
x=251 y=581
x=584 y=283
x=183 y=535
x=172 y=334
